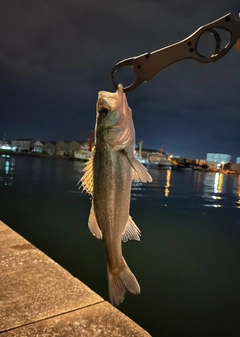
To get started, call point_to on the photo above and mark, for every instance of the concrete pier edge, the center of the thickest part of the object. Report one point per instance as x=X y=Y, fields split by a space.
x=40 y=298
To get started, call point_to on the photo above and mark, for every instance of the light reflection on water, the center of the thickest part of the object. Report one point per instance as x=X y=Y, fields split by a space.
x=214 y=187
x=6 y=170
x=211 y=189
x=188 y=258
x=35 y=169
x=168 y=180
x=208 y=189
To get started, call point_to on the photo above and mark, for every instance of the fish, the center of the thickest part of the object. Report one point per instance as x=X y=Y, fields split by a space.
x=107 y=178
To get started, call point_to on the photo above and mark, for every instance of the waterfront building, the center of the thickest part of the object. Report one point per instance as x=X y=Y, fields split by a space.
x=21 y=145
x=72 y=147
x=36 y=146
x=49 y=148
x=219 y=157
x=61 y=148
x=235 y=167
x=217 y=160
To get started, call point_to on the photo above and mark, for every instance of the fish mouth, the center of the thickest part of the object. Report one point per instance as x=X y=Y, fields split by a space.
x=120 y=88
x=120 y=92
x=111 y=95
x=111 y=100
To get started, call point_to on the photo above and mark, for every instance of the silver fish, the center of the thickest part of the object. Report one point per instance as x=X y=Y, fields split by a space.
x=108 y=176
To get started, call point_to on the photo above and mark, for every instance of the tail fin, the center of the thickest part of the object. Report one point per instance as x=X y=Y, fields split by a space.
x=120 y=281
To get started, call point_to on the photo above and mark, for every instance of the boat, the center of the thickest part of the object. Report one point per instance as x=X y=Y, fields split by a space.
x=157 y=159
x=84 y=154
x=163 y=163
x=181 y=168
x=140 y=159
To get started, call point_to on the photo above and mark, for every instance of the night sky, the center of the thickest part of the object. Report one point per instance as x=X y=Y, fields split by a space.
x=56 y=55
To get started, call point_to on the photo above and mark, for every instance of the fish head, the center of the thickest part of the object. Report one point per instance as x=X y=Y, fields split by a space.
x=114 y=124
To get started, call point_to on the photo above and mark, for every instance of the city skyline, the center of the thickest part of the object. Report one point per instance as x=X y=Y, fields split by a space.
x=55 y=57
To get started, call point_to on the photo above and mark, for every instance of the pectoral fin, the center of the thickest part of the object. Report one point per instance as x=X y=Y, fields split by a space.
x=131 y=232
x=140 y=172
x=86 y=182
x=93 y=225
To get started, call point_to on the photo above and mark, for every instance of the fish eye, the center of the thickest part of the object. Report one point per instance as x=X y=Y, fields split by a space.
x=103 y=112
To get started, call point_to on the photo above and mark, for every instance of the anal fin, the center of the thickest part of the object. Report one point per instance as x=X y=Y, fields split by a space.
x=93 y=225
x=131 y=232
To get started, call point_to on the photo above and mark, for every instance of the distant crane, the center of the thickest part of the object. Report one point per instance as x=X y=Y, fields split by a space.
x=140 y=148
x=161 y=149
x=90 y=143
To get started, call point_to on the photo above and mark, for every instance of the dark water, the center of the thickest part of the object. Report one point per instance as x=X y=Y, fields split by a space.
x=187 y=262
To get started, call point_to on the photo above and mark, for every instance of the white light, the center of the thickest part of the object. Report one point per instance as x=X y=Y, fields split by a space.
x=7 y=167
x=6 y=147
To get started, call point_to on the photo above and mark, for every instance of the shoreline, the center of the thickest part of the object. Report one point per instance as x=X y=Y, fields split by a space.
x=32 y=154
x=44 y=155
x=41 y=298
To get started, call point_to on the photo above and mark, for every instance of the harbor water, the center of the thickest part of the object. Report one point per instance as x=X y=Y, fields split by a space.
x=187 y=262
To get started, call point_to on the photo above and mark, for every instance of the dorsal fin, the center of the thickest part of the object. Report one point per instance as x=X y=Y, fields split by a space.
x=86 y=182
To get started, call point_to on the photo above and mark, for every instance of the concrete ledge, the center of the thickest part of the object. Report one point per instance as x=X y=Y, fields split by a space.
x=40 y=298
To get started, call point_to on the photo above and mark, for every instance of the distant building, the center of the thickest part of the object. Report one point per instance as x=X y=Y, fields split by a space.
x=217 y=159
x=49 y=148
x=21 y=145
x=235 y=167
x=73 y=147
x=36 y=146
x=61 y=148
x=238 y=160
x=145 y=153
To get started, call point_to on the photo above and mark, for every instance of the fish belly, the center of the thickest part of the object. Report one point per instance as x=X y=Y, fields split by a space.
x=111 y=200
x=112 y=188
